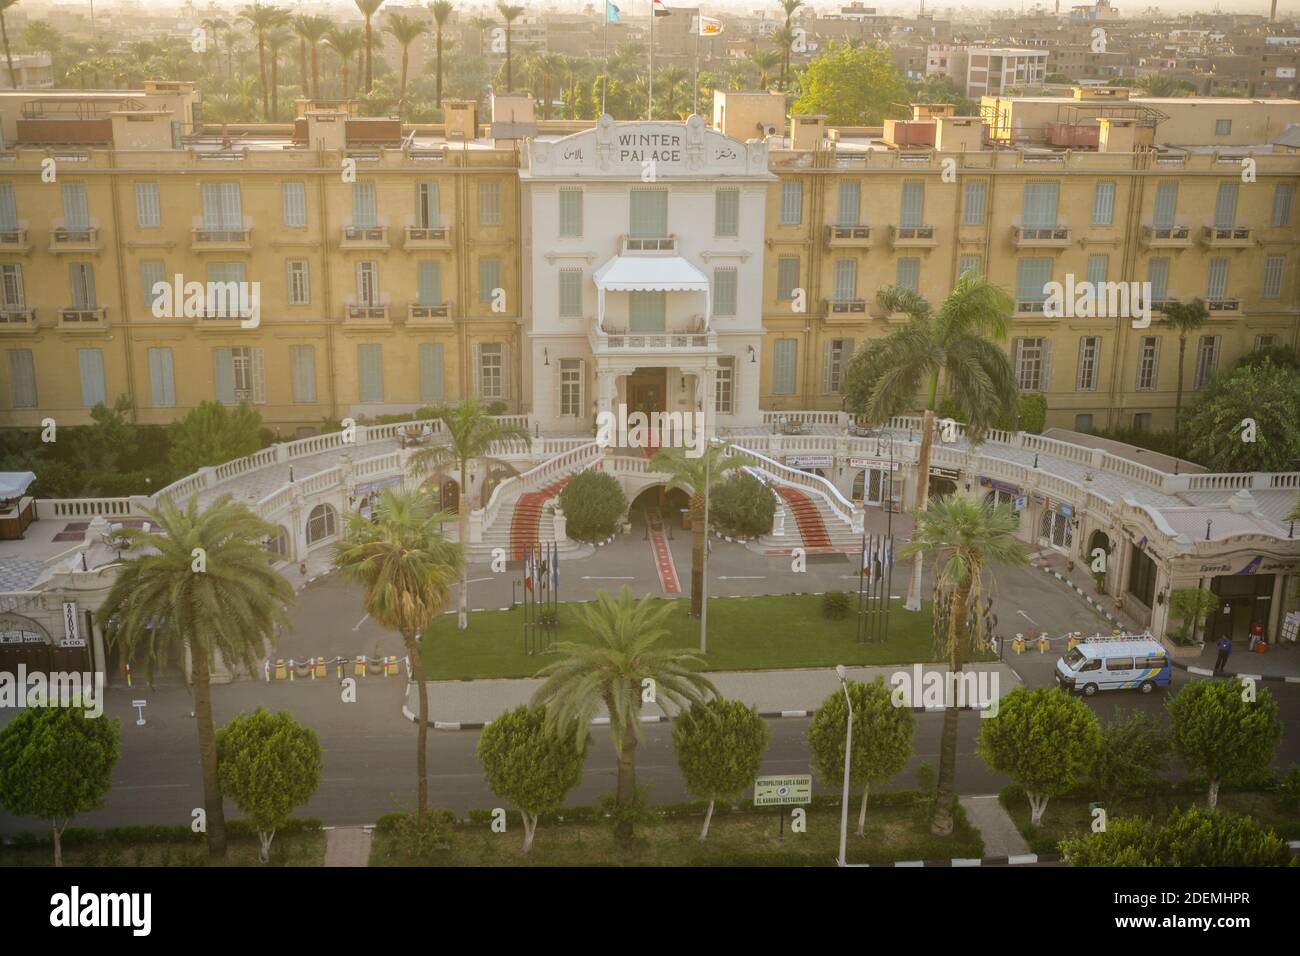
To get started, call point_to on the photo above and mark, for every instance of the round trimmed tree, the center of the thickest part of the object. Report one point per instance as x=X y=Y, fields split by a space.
x=269 y=764
x=1045 y=740
x=742 y=505
x=720 y=746
x=593 y=503
x=1217 y=731
x=882 y=739
x=56 y=762
x=529 y=766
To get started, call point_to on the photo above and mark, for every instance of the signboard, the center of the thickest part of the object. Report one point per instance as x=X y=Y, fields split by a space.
x=21 y=637
x=71 y=626
x=782 y=790
x=1064 y=510
x=1021 y=502
x=810 y=461
x=937 y=472
x=877 y=463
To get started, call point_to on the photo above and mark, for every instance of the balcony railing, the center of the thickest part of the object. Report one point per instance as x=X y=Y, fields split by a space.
x=1223 y=305
x=642 y=244
x=416 y=312
x=17 y=318
x=226 y=313
x=1031 y=307
x=367 y=313
x=848 y=236
x=846 y=305
x=364 y=237
x=79 y=239
x=220 y=240
x=912 y=236
x=427 y=237
x=1052 y=237
x=676 y=339
x=1167 y=236
x=1231 y=237
x=75 y=317
x=14 y=240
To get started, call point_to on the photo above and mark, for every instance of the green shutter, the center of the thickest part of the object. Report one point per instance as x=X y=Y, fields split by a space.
x=973 y=213
x=303 y=361
x=1225 y=206
x=1032 y=274
x=1103 y=204
x=849 y=202
x=909 y=273
x=646 y=312
x=846 y=279
x=223 y=375
x=162 y=378
x=1272 y=287
x=571 y=212
x=1039 y=205
x=1166 y=205
x=787 y=276
x=370 y=372
x=430 y=278
x=90 y=363
x=1217 y=284
x=726 y=212
x=1158 y=276
x=648 y=217
x=783 y=366
x=724 y=292
x=791 y=202
x=1097 y=268
x=913 y=205
x=431 y=383
x=489 y=279
x=571 y=293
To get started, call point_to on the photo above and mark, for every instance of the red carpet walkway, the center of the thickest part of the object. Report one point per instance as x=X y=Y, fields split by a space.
x=668 y=579
x=811 y=527
x=527 y=518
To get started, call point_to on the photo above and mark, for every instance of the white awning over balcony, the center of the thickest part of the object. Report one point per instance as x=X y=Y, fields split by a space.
x=650 y=274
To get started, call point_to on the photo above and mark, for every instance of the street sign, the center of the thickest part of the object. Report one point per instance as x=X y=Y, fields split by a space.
x=1022 y=502
x=777 y=791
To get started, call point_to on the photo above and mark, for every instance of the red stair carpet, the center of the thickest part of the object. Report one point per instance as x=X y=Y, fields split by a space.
x=527 y=518
x=811 y=527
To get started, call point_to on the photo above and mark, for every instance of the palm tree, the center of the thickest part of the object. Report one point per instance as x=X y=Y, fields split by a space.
x=442 y=10
x=162 y=604
x=962 y=534
x=4 y=35
x=737 y=75
x=613 y=671
x=765 y=61
x=785 y=36
x=214 y=26
x=223 y=109
x=471 y=434
x=263 y=20
x=1184 y=318
x=405 y=31
x=511 y=14
x=368 y=10
x=311 y=30
x=482 y=24
x=688 y=474
x=346 y=43
x=277 y=40
x=79 y=72
x=672 y=78
x=407 y=568
x=959 y=343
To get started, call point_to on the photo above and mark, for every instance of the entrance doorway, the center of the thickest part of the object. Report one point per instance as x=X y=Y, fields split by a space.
x=1055 y=529
x=647 y=390
x=1245 y=599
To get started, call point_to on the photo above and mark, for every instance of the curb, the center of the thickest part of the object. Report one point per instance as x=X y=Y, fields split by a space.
x=1023 y=859
x=1079 y=591
x=653 y=718
x=1258 y=678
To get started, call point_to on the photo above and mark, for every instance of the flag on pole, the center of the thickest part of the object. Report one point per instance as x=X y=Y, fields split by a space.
x=706 y=26
x=555 y=565
x=659 y=9
x=528 y=570
x=611 y=12
x=868 y=562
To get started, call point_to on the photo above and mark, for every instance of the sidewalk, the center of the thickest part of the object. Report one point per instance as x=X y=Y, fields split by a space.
x=468 y=705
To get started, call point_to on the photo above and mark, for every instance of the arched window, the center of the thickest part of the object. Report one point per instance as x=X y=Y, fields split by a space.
x=322 y=523
x=859 y=485
x=278 y=543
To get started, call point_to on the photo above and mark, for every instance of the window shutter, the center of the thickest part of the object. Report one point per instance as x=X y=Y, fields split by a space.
x=791 y=202
x=8 y=207
x=90 y=363
x=294 y=198
x=1225 y=206
x=152 y=271
x=909 y=273
x=211 y=194
x=224 y=375
x=649 y=213
x=1166 y=204
x=259 y=376
x=1097 y=267
x=370 y=370
x=363 y=204
x=1103 y=204
x=1283 y=194
x=506 y=391
x=1046 y=383
x=430 y=279
x=726 y=212
x=973 y=214
x=826 y=366
x=1272 y=287
x=426 y=205
x=1217 y=283
x=147 y=212
x=431 y=383
x=1158 y=276
x=478 y=369
x=22 y=378
x=1040 y=205
x=303 y=358
x=850 y=202
x=1032 y=275
x=76 y=212
x=968 y=264
x=846 y=275
x=571 y=212
x=232 y=209
x=913 y=211
x=724 y=291
x=162 y=379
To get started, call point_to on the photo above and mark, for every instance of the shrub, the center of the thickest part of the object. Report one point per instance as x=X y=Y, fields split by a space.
x=742 y=505
x=835 y=605
x=421 y=836
x=593 y=503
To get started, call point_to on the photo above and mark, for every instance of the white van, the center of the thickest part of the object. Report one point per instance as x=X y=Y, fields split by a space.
x=1114 y=663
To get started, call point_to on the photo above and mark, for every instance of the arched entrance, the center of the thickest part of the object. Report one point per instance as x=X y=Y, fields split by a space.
x=26 y=642
x=940 y=486
x=322 y=524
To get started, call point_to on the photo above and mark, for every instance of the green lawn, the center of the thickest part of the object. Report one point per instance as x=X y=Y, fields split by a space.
x=893 y=832
x=745 y=633
x=289 y=849
x=1071 y=816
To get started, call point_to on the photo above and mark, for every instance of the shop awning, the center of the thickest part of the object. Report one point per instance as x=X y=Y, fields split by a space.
x=650 y=274
x=14 y=484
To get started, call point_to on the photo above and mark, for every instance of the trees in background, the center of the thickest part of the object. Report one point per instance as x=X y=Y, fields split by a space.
x=852 y=86
x=212 y=434
x=1265 y=394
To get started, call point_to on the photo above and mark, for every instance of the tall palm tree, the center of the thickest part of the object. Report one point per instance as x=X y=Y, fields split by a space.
x=765 y=61
x=612 y=671
x=214 y=26
x=511 y=13
x=223 y=109
x=4 y=35
x=962 y=534
x=959 y=343
x=407 y=568
x=276 y=41
x=471 y=434
x=162 y=604
x=785 y=36
x=688 y=474
x=368 y=10
x=263 y=19
x=405 y=30
x=311 y=29
x=442 y=11
x=1184 y=318
x=346 y=43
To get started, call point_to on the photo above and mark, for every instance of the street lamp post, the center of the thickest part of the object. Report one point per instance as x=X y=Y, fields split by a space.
x=848 y=756
x=704 y=583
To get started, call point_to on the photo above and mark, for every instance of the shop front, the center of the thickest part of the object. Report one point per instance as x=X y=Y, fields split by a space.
x=878 y=482
x=1056 y=524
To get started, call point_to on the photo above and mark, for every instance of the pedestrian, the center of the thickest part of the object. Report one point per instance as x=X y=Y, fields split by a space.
x=1225 y=648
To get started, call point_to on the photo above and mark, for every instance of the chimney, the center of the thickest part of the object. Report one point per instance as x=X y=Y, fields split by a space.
x=460 y=120
x=807 y=130
x=959 y=134
x=326 y=129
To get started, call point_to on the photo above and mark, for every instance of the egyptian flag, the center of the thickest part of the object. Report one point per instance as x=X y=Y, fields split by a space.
x=528 y=571
x=659 y=9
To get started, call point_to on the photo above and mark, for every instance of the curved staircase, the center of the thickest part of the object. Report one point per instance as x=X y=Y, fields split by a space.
x=812 y=529
x=526 y=521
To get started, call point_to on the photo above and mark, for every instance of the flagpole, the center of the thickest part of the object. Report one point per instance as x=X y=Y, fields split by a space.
x=650 y=104
x=604 y=43
x=695 y=76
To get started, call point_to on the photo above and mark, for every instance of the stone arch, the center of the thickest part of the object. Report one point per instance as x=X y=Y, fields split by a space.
x=280 y=544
